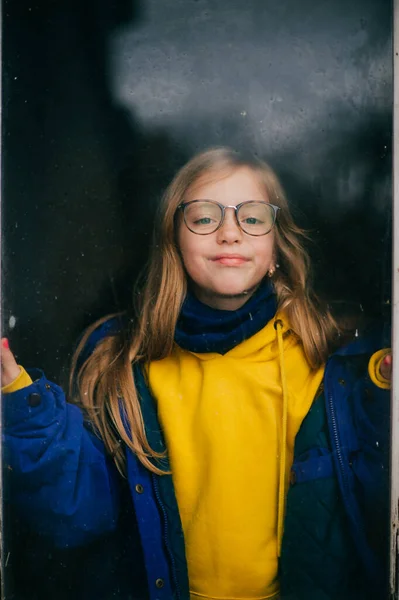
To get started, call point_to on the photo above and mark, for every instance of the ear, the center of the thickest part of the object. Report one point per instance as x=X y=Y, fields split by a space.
x=272 y=268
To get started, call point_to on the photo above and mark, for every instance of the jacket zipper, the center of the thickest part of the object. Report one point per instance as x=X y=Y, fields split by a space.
x=337 y=445
x=166 y=533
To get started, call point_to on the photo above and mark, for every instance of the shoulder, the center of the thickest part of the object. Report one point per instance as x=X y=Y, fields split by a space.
x=367 y=342
x=111 y=326
x=347 y=372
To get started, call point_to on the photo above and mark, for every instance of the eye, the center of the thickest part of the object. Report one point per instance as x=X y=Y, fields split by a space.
x=251 y=221
x=204 y=221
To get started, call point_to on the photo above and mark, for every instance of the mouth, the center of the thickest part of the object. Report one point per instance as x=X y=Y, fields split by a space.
x=230 y=260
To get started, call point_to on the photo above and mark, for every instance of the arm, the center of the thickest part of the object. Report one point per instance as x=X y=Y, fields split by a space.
x=57 y=475
x=371 y=462
x=380 y=368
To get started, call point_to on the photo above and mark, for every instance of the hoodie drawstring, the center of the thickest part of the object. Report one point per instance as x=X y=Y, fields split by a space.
x=278 y=326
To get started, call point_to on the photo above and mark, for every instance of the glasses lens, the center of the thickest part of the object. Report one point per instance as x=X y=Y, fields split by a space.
x=202 y=217
x=256 y=218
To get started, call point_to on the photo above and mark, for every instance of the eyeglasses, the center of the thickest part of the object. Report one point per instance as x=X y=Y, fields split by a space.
x=207 y=216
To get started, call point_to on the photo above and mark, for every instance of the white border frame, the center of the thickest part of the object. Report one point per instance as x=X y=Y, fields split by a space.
x=394 y=536
x=2 y=591
x=394 y=583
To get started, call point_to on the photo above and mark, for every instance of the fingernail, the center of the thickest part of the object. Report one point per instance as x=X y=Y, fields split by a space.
x=5 y=344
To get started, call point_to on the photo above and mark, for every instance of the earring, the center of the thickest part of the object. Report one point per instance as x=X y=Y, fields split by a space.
x=272 y=270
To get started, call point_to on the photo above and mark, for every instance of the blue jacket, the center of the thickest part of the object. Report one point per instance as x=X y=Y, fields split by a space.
x=66 y=496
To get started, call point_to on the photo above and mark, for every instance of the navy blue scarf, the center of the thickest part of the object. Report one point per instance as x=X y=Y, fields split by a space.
x=201 y=328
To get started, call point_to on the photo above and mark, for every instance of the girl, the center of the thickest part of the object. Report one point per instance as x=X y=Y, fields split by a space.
x=214 y=448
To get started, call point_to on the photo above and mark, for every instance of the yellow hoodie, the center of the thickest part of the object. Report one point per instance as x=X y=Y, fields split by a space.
x=223 y=418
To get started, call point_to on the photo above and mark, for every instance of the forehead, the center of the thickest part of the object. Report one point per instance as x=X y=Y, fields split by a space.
x=228 y=187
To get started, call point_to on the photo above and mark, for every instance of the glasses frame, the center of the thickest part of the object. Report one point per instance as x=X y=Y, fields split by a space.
x=236 y=209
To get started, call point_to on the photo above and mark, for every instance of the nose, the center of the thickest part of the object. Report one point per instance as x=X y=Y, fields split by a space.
x=229 y=232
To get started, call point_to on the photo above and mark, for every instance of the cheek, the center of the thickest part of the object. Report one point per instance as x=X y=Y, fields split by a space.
x=190 y=250
x=185 y=244
x=264 y=252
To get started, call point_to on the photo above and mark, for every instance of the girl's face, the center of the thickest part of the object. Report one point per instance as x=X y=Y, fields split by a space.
x=226 y=266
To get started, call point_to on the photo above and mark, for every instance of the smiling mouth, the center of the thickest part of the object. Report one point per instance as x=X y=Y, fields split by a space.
x=230 y=261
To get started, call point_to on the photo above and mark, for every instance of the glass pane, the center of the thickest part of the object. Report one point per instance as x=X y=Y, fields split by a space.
x=103 y=103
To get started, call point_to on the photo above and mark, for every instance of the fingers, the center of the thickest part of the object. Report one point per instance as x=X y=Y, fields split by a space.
x=386 y=367
x=9 y=368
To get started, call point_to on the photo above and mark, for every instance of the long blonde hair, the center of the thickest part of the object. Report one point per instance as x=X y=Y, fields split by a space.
x=107 y=375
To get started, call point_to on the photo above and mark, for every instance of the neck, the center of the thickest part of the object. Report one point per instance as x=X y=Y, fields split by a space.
x=224 y=301
x=209 y=324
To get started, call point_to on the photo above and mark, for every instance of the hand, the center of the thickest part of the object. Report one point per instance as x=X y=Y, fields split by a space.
x=9 y=368
x=386 y=367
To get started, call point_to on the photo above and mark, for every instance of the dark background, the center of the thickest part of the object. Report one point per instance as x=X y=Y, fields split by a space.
x=104 y=100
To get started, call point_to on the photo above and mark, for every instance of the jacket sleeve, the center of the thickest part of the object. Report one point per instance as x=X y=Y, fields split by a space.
x=374 y=369
x=23 y=380
x=57 y=475
x=370 y=462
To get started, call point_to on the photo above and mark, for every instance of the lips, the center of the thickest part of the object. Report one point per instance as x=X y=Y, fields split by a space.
x=230 y=260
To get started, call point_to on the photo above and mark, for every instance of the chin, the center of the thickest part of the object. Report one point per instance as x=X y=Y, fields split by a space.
x=234 y=290
x=230 y=283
